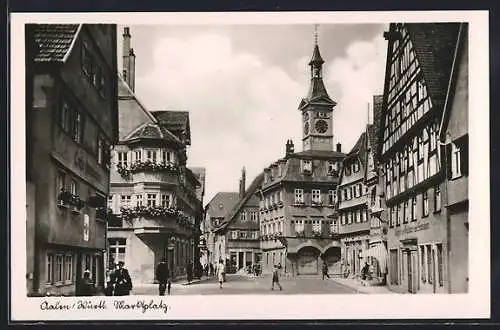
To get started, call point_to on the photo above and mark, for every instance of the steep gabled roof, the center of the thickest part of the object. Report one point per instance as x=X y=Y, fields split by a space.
x=176 y=122
x=55 y=41
x=434 y=45
x=249 y=193
x=222 y=203
x=151 y=131
x=200 y=173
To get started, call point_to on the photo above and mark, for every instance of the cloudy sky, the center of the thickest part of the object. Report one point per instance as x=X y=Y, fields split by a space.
x=242 y=85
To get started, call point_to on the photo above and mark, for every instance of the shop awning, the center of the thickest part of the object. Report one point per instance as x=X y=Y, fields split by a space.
x=378 y=252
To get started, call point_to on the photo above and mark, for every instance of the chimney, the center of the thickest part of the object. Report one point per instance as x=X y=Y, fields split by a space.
x=128 y=60
x=131 y=73
x=339 y=147
x=289 y=147
x=242 y=182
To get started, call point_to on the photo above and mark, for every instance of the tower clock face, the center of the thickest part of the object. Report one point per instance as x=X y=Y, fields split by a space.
x=306 y=128
x=321 y=126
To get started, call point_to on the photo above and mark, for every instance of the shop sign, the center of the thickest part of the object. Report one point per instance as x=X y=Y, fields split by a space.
x=407 y=229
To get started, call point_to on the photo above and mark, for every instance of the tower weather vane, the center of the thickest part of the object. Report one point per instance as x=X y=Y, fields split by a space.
x=316 y=34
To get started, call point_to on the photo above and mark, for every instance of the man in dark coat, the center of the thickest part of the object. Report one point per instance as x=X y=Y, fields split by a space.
x=86 y=287
x=325 y=270
x=163 y=277
x=123 y=282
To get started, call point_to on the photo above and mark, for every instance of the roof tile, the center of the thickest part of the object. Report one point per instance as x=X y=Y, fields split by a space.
x=54 y=41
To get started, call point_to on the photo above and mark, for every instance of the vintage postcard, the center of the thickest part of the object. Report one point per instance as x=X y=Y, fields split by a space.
x=239 y=165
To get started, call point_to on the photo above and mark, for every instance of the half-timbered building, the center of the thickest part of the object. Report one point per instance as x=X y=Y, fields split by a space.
x=418 y=68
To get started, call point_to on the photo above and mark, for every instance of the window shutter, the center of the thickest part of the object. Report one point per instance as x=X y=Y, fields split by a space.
x=464 y=155
x=448 y=161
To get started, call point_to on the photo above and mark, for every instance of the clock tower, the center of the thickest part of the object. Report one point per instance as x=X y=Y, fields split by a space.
x=317 y=108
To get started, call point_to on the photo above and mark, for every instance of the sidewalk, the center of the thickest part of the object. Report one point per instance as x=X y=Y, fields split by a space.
x=357 y=285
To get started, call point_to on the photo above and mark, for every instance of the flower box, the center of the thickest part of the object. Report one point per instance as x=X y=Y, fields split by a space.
x=316 y=234
x=64 y=199
x=300 y=234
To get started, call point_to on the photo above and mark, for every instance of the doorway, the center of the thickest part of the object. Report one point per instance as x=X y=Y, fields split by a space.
x=412 y=270
x=241 y=256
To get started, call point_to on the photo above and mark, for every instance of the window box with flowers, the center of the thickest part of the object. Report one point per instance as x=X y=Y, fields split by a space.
x=317 y=203
x=103 y=213
x=77 y=203
x=64 y=199
x=146 y=166
x=300 y=234
x=150 y=211
x=316 y=234
x=333 y=234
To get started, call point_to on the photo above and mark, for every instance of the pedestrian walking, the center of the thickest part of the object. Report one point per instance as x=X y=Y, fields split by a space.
x=123 y=282
x=220 y=272
x=163 y=277
x=325 y=270
x=189 y=271
x=276 y=278
x=86 y=287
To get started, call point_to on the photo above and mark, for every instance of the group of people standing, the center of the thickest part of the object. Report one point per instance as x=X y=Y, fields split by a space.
x=118 y=281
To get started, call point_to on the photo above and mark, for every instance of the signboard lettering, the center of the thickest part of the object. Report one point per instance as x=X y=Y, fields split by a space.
x=412 y=229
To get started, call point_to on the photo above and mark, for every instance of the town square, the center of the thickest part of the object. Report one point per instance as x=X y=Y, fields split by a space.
x=247 y=159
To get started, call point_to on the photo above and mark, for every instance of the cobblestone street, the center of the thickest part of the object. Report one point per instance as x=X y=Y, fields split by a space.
x=238 y=284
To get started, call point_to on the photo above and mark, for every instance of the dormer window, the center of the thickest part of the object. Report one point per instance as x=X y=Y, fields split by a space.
x=306 y=166
x=355 y=167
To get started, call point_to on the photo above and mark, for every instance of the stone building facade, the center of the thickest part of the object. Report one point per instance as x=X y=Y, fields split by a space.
x=154 y=197
x=420 y=61
x=72 y=116
x=237 y=238
x=298 y=191
x=216 y=211
x=454 y=134
x=352 y=208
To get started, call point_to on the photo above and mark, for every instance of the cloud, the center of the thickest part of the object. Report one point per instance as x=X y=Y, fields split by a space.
x=356 y=77
x=242 y=111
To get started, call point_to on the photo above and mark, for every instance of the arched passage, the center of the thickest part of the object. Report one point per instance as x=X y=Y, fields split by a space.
x=332 y=257
x=307 y=260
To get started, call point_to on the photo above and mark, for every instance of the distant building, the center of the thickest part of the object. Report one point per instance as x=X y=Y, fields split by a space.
x=416 y=94
x=154 y=197
x=200 y=174
x=377 y=214
x=216 y=212
x=72 y=119
x=352 y=210
x=237 y=239
x=298 y=191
